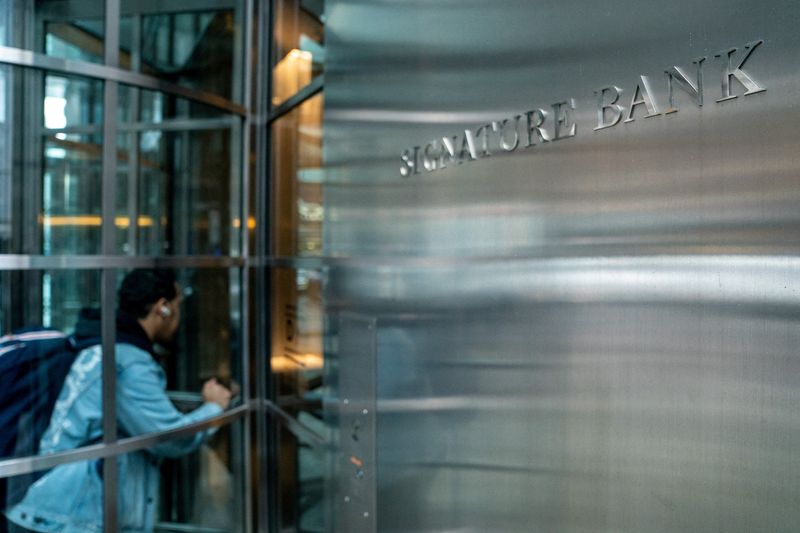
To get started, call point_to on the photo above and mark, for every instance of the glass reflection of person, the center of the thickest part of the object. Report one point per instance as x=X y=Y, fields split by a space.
x=69 y=497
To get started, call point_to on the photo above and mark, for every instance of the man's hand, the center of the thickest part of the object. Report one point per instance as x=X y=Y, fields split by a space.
x=213 y=391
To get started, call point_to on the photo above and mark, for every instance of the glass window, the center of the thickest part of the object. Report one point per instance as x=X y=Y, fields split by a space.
x=71 y=195
x=198 y=351
x=297 y=337
x=33 y=499
x=298 y=386
x=65 y=293
x=69 y=29
x=210 y=338
x=299 y=46
x=35 y=364
x=71 y=101
x=204 y=489
x=7 y=137
x=206 y=342
x=49 y=298
x=71 y=181
x=178 y=190
x=157 y=107
x=76 y=39
x=51 y=204
x=297 y=180
x=202 y=480
x=303 y=475
x=195 y=49
x=185 y=192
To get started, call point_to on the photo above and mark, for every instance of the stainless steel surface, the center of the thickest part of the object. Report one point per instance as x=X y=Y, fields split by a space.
x=595 y=334
x=356 y=446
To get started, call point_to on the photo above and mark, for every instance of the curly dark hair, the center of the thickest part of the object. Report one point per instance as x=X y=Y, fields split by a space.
x=142 y=288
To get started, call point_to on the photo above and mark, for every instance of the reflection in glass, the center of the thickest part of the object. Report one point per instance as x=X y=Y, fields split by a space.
x=175 y=176
x=296 y=170
x=71 y=179
x=50 y=204
x=35 y=362
x=157 y=107
x=71 y=194
x=185 y=192
x=204 y=489
x=6 y=14
x=71 y=101
x=208 y=342
x=69 y=29
x=80 y=40
x=297 y=355
x=298 y=386
x=64 y=293
x=50 y=298
x=200 y=478
x=301 y=484
x=194 y=49
x=299 y=46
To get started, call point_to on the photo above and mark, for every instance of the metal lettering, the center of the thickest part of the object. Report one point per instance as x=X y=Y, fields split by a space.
x=535 y=119
x=408 y=164
x=468 y=151
x=751 y=85
x=564 y=119
x=449 y=150
x=616 y=109
x=500 y=128
x=430 y=162
x=483 y=133
x=641 y=96
x=695 y=90
x=470 y=141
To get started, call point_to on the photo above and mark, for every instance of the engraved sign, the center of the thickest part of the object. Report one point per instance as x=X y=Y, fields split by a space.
x=555 y=122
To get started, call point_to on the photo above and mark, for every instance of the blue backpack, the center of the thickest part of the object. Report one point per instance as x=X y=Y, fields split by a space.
x=34 y=362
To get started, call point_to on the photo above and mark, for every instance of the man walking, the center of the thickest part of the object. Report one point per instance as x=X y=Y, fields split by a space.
x=69 y=497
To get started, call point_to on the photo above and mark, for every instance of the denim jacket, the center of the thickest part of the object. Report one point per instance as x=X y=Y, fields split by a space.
x=69 y=498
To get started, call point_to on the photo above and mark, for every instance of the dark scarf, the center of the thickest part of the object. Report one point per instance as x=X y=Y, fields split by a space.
x=88 y=329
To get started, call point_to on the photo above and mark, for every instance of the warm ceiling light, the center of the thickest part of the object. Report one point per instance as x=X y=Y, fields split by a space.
x=90 y=220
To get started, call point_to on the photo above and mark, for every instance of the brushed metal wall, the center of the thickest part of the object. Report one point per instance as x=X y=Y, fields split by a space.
x=597 y=334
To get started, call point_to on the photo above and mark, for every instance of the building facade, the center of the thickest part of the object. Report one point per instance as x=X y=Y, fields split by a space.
x=476 y=267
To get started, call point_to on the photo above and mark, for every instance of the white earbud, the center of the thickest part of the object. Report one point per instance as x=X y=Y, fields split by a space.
x=165 y=312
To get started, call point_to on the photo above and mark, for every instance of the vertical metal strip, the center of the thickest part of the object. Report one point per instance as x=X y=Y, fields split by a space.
x=236 y=187
x=31 y=169
x=133 y=181
x=110 y=100
x=244 y=273
x=133 y=141
x=357 y=453
x=241 y=49
x=244 y=234
x=267 y=457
